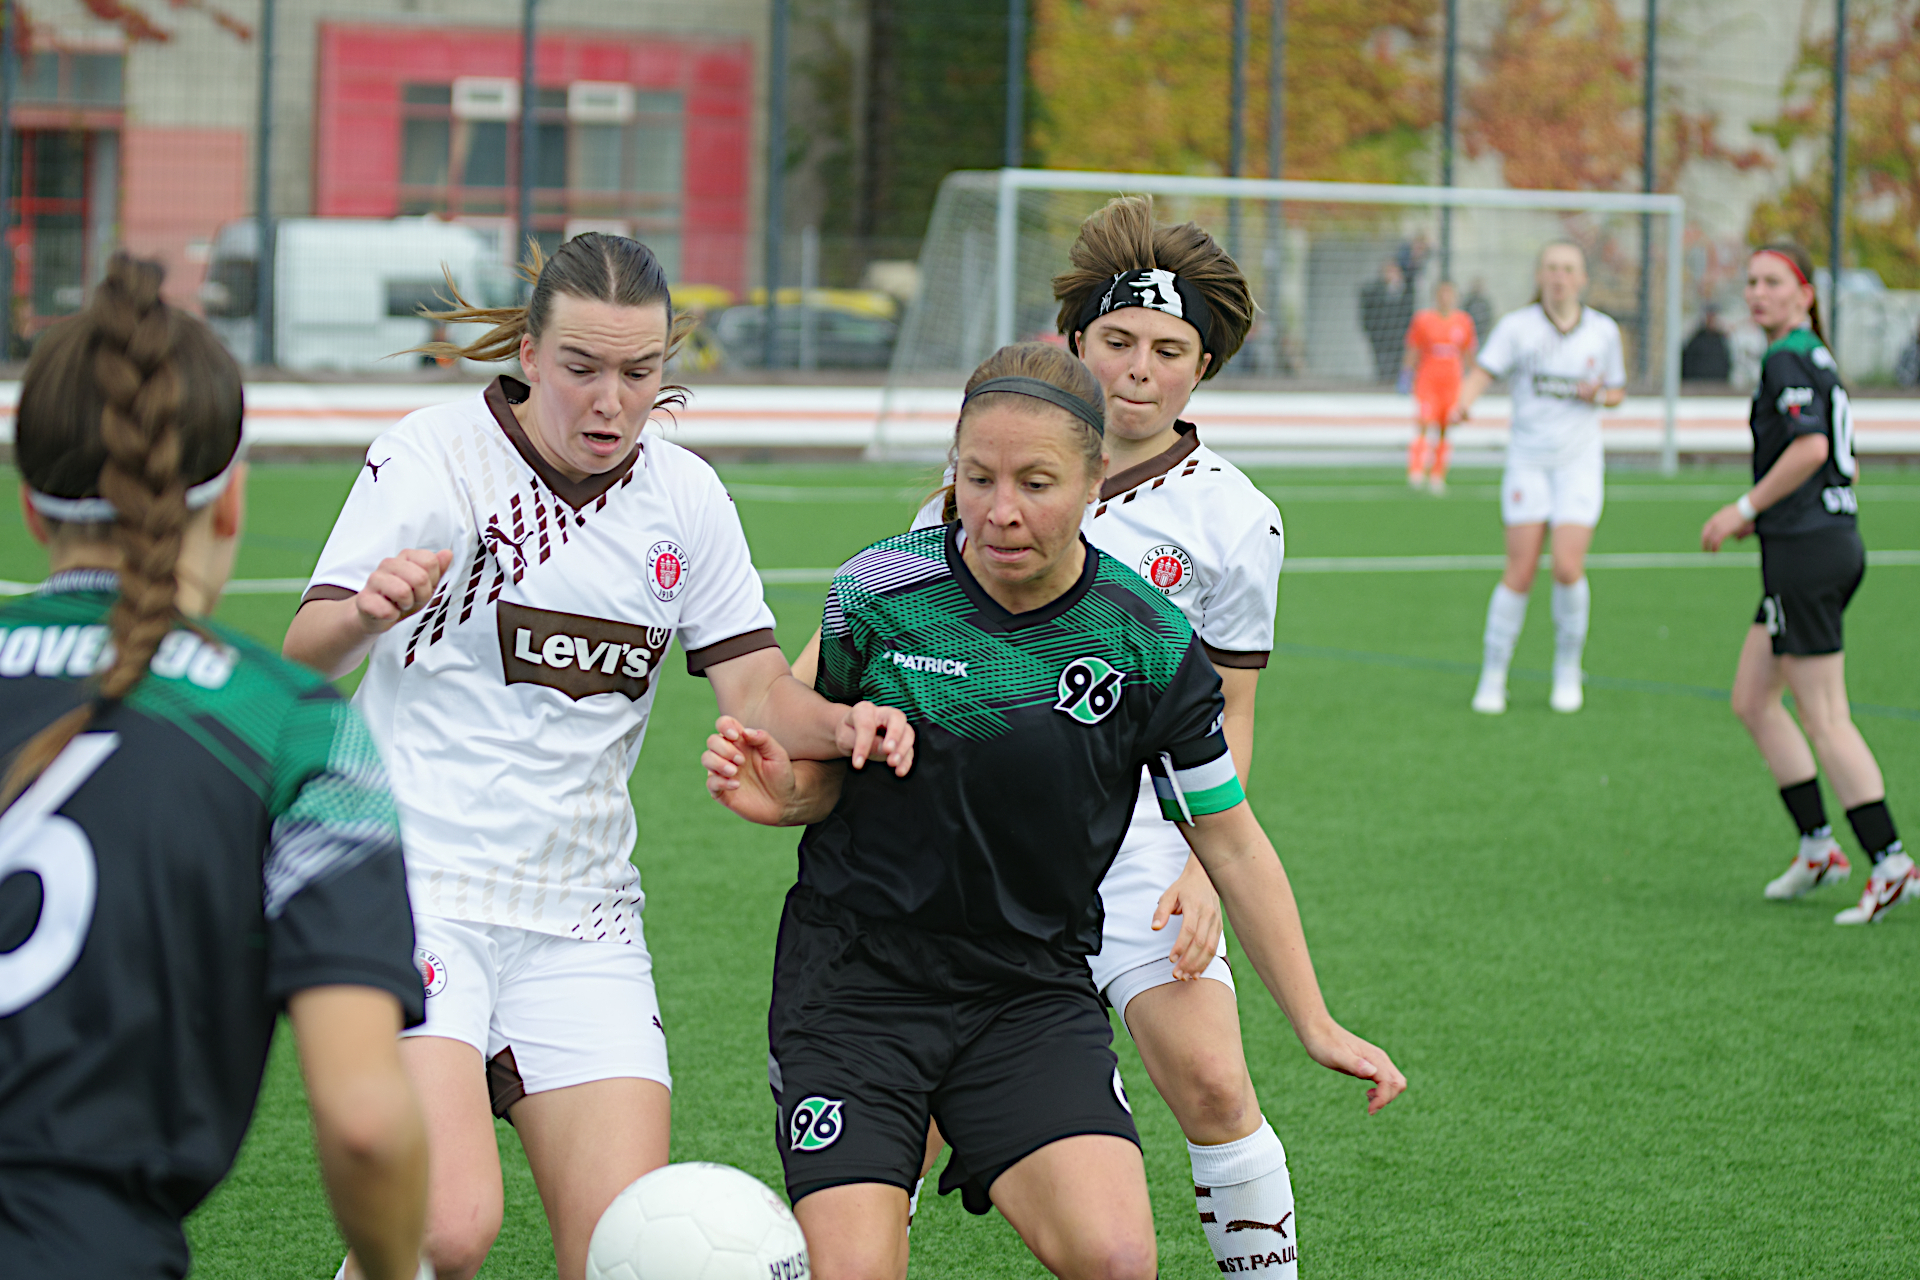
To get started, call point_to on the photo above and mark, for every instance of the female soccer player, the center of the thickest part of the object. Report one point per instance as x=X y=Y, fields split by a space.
x=1802 y=505
x=1437 y=342
x=518 y=564
x=1154 y=310
x=1563 y=365
x=209 y=827
x=931 y=961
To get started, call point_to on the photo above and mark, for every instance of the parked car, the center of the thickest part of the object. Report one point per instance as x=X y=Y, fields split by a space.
x=347 y=292
x=841 y=338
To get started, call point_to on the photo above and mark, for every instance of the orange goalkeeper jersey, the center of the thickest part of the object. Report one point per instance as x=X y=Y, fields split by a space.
x=1441 y=344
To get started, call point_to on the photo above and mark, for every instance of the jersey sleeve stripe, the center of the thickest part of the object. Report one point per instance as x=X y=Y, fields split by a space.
x=340 y=817
x=698 y=660
x=1250 y=659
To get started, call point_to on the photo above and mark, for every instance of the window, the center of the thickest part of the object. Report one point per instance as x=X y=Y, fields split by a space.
x=603 y=153
x=81 y=79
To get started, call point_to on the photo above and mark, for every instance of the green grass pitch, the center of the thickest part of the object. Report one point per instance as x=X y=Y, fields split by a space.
x=1623 y=1061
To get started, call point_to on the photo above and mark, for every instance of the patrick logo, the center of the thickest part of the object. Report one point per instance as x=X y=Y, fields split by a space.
x=666 y=570
x=1167 y=567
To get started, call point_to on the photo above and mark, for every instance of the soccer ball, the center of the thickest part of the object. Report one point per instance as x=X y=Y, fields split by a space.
x=697 y=1221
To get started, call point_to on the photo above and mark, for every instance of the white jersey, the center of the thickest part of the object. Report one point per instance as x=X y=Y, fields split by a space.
x=510 y=710
x=1545 y=367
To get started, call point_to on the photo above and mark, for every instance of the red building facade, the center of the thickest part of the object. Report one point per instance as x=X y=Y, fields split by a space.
x=641 y=134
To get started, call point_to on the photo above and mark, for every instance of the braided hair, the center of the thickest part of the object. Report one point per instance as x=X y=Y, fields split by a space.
x=130 y=401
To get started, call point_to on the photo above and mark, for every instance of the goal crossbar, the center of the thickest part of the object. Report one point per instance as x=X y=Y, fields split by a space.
x=1011 y=182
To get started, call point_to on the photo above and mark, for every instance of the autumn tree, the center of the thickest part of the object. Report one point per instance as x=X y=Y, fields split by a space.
x=1141 y=87
x=1883 y=151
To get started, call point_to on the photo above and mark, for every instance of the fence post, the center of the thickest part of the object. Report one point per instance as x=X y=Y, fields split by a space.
x=776 y=176
x=263 y=260
x=1016 y=136
x=1275 y=256
x=809 y=281
x=1237 y=124
x=529 y=97
x=1838 y=226
x=1648 y=113
x=1449 y=109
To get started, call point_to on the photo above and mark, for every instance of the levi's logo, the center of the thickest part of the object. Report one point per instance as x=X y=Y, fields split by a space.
x=578 y=656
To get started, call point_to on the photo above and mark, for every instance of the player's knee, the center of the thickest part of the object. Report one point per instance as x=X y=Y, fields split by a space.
x=1751 y=705
x=1215 y=1096
x=1123 y=1255
x=458 y=1243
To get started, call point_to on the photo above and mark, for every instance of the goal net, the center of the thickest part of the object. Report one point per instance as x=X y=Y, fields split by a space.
x=1338 y=270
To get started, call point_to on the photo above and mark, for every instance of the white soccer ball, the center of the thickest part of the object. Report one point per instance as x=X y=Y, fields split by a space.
x=697 y=1221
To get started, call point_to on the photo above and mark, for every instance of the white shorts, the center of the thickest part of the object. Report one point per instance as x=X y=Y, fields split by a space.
x=1538 y=493
x=572 y=1011
x=1133 y=956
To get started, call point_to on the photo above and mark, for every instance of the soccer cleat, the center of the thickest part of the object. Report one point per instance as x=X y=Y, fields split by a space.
x=1490 y=699
x=1567 y=694
x=1818 y=862
x=1437 y=487
x=1893 y=882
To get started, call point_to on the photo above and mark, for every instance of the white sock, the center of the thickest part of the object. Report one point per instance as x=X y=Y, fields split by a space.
x=1246 y=1203
x=913 y=1201
x=1506 y=614
x=341 y=1274
x=1570 y=609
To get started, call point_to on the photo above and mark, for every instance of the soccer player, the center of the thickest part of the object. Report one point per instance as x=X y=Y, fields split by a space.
x=1563 y=364
x=1803 y=506
x=1153 y=311
x=517 y=564
x=932 y=958
x=1438 y=341
x=196 y=836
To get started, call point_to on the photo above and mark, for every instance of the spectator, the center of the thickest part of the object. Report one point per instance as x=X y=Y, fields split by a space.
x=1906 y=367
x=1412 y=258
x=1386 y=309
x=1478 y=306
x=1707 y=357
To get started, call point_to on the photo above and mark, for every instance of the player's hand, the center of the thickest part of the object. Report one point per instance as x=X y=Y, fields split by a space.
x=1193 y=898
x=1456 y=415
x=1725 y=523
x=867 y=730
x=749 y=772
x=1338 y=1049
x=1588 y=391
x=400 y=587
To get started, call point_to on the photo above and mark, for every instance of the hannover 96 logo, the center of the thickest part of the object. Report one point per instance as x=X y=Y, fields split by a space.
x=815 y=1124
x=1089 y=690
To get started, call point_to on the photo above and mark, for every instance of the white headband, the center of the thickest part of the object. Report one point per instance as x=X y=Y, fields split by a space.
x=100 y=511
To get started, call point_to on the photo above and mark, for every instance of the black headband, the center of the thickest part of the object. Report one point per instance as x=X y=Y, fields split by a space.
x=1039 y=390
x=1157 y=289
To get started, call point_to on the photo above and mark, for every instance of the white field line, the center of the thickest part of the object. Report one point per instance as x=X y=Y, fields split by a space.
x=1296 y=564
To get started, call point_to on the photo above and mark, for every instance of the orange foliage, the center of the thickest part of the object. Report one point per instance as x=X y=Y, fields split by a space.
x=1558 y=97
x=1135 y=86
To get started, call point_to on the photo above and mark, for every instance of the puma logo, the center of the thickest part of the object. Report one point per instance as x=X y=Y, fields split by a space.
x=1247 y=1224
x=496 y=537
x=374 y=467
x=1275 y=532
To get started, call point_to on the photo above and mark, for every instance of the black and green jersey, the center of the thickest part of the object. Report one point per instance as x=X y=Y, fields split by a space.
x=1800 y=395
x=218 y=842
x=1032 y=729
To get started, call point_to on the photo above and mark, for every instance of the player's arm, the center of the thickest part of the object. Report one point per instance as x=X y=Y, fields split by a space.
x=806 y=667
x=367 y=1126
x=759 y=689
x=1192 y=896
x=1472 y=387
x=1793 y=468
x=333 y=635
x=749 y=772
x=1241 y=861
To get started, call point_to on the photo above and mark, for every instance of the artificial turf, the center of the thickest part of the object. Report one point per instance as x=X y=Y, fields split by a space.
x=1623 y=1062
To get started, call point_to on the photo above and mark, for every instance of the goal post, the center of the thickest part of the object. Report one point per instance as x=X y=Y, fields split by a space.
x=1321 y=257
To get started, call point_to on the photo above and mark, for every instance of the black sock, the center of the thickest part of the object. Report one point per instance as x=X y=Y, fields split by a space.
x=1809 y=813
x=1874 y=827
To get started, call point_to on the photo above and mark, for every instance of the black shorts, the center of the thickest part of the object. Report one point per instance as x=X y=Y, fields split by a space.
x=61 y=1223
x=1808 y=579
x=877 y=1026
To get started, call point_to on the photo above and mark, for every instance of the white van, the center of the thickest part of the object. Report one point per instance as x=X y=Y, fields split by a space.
x=347 y=292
